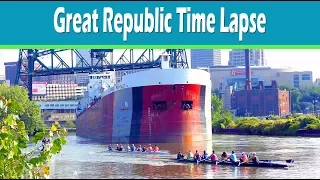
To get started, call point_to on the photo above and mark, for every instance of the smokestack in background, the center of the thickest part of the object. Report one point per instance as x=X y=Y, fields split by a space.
x=248 y=70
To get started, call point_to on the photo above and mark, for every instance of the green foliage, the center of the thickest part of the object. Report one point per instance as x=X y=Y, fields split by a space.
x=220 y=118
x=279 y=127
x=28 y=111
x=302 y=99
x=70 y=124
x=14 y=162
x=272 y=117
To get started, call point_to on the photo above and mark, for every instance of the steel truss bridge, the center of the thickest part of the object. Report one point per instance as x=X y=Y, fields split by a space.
x=46 y=62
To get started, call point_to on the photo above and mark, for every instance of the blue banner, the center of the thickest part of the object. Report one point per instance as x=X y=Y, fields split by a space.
x=159 y=23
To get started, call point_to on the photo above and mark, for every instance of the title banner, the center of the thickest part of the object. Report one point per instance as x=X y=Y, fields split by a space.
x=159 y=23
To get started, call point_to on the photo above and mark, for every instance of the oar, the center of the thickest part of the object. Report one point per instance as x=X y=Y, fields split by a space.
x=287 y=161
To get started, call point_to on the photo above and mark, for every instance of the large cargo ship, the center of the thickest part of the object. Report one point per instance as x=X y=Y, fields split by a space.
x=162 y=105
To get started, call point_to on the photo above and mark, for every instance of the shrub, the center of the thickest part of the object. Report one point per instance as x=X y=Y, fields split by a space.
x=14 y=163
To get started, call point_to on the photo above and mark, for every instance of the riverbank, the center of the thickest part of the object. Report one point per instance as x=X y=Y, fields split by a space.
x=289 y=126
x=236 y=131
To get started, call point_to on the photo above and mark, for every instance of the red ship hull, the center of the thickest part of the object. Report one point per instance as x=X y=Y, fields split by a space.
x=148 y=114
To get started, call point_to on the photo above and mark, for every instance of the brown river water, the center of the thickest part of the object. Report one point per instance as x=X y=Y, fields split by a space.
x=83 y=158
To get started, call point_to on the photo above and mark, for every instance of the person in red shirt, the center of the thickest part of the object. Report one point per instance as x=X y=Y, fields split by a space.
x=213 y=157
x=149 y=148
x=156 y=148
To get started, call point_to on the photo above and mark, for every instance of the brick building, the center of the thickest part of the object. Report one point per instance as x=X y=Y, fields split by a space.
x=262 y=101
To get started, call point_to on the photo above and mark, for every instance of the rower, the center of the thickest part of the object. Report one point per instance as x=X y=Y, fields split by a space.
x=190 y=155
x=128 y=148
x=233 y=157
x=224 y=156
x=117 y=148
x=180 y=155
x=243 y=158
x=121 y=148
x=197 y=156
x=205 y=155
x=139 y=148
x=133 y=148
x=156 y=148
x=254 y=158
x=149 y=148
x=110 y=147
x=213 y=157
x=144 y=149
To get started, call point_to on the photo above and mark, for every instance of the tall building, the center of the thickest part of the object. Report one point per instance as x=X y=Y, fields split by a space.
x=236 y=57
x=11 y=71
x=205 y=58
x=317 y=82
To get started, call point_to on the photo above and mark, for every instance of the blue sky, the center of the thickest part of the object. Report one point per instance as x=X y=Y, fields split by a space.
x=308 y=60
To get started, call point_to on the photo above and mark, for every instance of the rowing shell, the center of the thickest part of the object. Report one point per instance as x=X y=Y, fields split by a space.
x=140 y=152
x=224 y=163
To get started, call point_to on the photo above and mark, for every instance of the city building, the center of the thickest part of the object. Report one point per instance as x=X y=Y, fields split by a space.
x=223 y=77
x=205 y=58
x=61 y=111
x=262 y=101
x=82 y=79
x=55 y=92
x=11 y=69
x=237 y=58
x=58 y=106
x=317 y=82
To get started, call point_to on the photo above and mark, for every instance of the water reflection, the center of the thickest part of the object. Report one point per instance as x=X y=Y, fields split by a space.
x=83 y=158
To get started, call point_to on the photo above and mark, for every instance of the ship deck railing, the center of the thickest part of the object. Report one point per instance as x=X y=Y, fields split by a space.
x=90 y=105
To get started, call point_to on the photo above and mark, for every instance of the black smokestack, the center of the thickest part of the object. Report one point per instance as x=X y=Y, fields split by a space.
x=248 y=71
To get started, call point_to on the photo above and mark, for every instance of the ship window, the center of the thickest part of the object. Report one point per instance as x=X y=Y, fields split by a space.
x=159 y=105
x=186 y=105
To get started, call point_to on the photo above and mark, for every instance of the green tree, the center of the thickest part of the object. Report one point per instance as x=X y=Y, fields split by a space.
x=216 y=92
x=70 y=124
x=28 y=111
x=220 y=118
x=14 y=163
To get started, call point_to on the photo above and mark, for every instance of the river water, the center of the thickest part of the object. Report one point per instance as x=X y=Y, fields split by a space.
x=83 y=158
